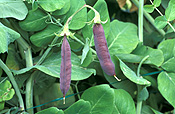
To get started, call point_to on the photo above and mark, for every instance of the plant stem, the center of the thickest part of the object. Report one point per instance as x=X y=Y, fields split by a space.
x=12 y=79
x=139 y=107
x=77 y=89
x=140 y=20
x=47 y=51
x=37 y=102
x=139 y=102
x=149 y=17
x=29 y=83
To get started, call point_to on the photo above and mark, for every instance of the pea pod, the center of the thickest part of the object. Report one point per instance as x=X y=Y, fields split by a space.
x=65 y=72
x=102 y=50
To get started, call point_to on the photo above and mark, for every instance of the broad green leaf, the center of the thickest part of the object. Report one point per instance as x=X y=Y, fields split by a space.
x=165 y=3
x=169 y=65
x=88 y=59
x=42 y=82
x=122 y=38
x=1 y=72
x=130 y=74
x=149 y=8
x=170 y=11
x=85 y=50
x=11 y=8
x=7 y=36
x=51 y=110
x=2 y=105
x=13 y=60
x=54 y=92
x=80 y=107
x=123 y=84
x=156 y=112
x=168 y=48
x=146 y=110
x=43 y=38
x=170 y=35
x=6 y=91
x=160 y=22
x=166 y=86
x=35 y=21
x=102 y=8
x=155 y=55
x=51 y=5
x=63 y=10
x=101 y=98
x=124 y=103
x=157 y=3
x=143 y=94
x=51 y=66
x=79 y=20
x=131 y=58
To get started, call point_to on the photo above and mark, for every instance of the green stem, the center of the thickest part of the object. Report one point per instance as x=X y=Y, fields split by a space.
x=76 y=88
x=37 y=102
x=140 y=20
x=139 y=107
x=29 y=83
x=140 y=64
x=149 y=17
x=139 y=102
x=12 y=79
x=47 y=51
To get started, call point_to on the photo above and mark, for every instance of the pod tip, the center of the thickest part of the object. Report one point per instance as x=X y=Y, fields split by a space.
x=117 y=78
x=64 y=100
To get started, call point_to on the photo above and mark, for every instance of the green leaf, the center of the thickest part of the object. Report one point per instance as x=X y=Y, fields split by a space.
x=11 y=8
x=35 y=21
x=101 y=98
x=54 y=92
x=88 y=59
x=146 y=110
x=85 y=50
x=6 y=91
x=43 y=82
x=166 y=86
x=51 y=110
x=44 y=38
x=124 y=103
x=80 y=107
x=130 y=74
x=131 y=58
x=149 y=8
x=123 y=84
x=102 y=8
x=7 y=36
x=168 y=48
x=143 y=94
x=51 y=66
x=63 y=10
x=156 y=112
x=170 y=35
x=79 y=20
x=160 y=22
x=122 y=38
x=157 y=3
x=13 y=60
x=169 y=65
x=2 y=105
x=51 y=5
x=155 y=55
x=170 y=11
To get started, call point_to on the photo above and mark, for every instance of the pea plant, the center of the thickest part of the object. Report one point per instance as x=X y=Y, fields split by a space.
x=87 y=57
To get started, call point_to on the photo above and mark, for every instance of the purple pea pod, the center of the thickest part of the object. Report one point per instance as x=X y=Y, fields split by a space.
x=65 y=71
x=102 y=50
